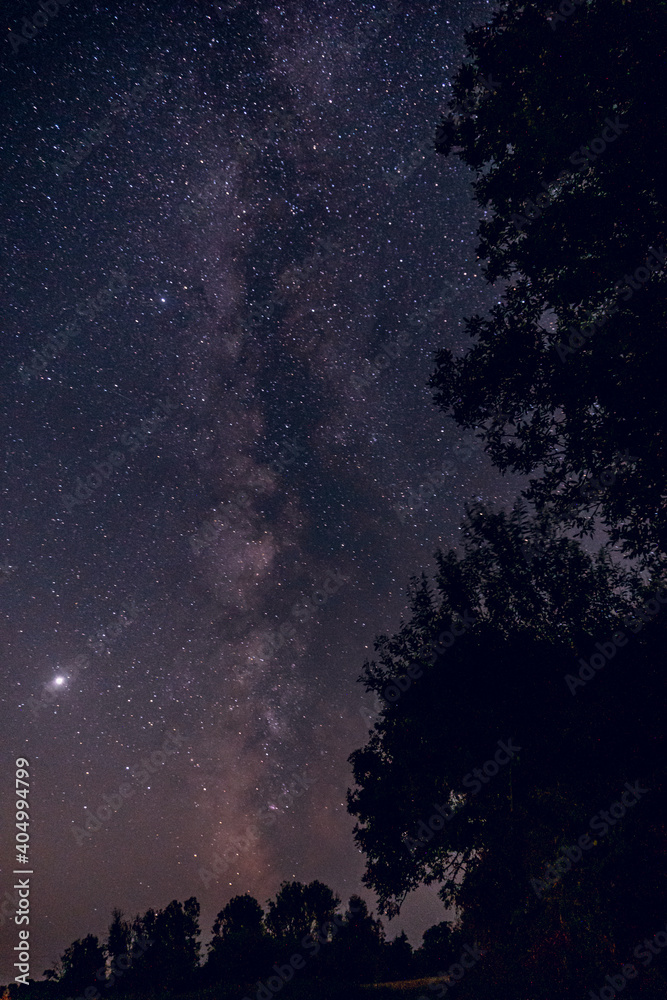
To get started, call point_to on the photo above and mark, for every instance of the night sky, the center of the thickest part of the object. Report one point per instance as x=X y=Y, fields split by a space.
x=222 y=214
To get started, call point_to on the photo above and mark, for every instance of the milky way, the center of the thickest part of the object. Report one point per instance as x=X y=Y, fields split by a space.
x=224 y=466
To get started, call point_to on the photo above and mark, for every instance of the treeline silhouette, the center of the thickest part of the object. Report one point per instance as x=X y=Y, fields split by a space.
x=554 y=854
x=518 y=758
x=302 y=934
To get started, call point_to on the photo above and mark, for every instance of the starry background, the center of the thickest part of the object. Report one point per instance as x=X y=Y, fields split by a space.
x=273 y=216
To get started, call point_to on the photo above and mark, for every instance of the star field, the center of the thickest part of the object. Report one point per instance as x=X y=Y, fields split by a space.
x=246 y=263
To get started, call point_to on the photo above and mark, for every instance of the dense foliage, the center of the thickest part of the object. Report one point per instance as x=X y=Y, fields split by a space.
x=250 y=950
x=562 y=119
x=496 y=754
x=518 y=760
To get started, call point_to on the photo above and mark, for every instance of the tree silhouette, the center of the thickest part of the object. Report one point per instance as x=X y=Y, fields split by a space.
x=143 y=976
x=118 y=946
x=441 y=945
x=80 y=964
x=300 y=909
x=242 y=914
x=240 y=945
x=398 y=958
x=490 y=764
x=564 y=126
x=175 y=953
x=356 y=954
